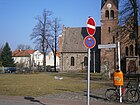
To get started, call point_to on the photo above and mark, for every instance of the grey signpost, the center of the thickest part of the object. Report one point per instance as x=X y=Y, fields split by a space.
x=89 y=42
x=119 y=58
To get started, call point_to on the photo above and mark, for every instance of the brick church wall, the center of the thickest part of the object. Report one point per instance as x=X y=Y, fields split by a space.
x=108 y=26
x=78 y=62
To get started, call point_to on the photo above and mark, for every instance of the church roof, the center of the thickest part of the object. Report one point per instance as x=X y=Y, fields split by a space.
x=73 y=39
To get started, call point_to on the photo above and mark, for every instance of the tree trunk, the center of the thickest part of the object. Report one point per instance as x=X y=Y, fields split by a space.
x=55 y=45
x=44 y=61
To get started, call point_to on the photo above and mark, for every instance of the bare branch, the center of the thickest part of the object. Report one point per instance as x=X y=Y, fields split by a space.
x=41 y=33
x=23 y=47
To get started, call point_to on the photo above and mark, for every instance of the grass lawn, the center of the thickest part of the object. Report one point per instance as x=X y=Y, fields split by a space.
x=42 y=84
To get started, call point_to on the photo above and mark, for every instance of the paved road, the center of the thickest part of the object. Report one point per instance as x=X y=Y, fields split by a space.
x=16 y=100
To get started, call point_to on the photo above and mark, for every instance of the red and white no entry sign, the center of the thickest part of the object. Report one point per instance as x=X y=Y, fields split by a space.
x=91 y=26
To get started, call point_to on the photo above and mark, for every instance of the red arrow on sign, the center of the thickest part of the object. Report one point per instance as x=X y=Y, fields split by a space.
x=91 y=26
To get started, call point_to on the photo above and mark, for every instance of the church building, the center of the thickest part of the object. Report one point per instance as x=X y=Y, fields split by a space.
x=74 y=55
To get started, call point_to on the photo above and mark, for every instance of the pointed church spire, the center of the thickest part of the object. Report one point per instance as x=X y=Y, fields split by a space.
x=104 y=1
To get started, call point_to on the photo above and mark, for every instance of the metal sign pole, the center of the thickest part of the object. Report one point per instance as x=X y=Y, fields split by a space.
x=119 y=56
x=88 y=80
x=89 y=43
x=119 y=61
x=94 y=61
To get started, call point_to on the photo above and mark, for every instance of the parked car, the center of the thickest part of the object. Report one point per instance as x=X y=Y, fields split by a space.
x=10 y=69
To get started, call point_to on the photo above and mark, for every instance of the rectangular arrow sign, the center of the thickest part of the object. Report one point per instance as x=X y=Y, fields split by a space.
x=107 y=46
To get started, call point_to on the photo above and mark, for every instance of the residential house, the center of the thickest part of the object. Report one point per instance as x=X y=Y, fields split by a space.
x=37 y=58
x=50 y=59
x=27 y=58
x=33 y=58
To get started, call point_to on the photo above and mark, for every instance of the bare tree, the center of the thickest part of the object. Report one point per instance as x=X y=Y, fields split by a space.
x=130 y=14
x=41 y=33
x=24 y=47
x=53 y=42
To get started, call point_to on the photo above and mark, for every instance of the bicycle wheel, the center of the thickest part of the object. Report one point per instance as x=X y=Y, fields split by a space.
x=132 y=95
x=111 y=94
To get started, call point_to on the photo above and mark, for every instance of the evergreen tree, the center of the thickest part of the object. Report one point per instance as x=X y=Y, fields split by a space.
x=6 y=56
x=0 y=60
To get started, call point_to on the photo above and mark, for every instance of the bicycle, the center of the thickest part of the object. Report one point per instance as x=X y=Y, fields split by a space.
x=129 y=94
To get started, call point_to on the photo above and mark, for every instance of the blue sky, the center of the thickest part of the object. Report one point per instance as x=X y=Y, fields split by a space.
x=17 y=17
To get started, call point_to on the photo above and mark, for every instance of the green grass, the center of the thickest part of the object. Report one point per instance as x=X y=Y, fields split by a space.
x=42 y=84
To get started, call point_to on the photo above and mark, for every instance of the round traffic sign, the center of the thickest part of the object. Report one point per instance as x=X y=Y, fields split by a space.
x=89 y=42
x=91 y=26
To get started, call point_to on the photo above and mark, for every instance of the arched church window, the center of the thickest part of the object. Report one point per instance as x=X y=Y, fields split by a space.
x=107 y=14
x=112 y=14
x=126 y=51
x=72 y=61
x=136 y=51
x=131 y=50
x=113 y=39
x=109 y=29
x=85 y=61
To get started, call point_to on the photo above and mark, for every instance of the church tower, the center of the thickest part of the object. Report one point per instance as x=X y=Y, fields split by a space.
x=109 y=22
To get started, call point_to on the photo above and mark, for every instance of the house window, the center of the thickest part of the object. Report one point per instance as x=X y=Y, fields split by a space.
x=107 y=14
x=131 y=50
x=86 y=61
x=72 y=61
x=34 y=64
x=126 y=51
x=112 y=14
x=37 y=56
x=38 y=63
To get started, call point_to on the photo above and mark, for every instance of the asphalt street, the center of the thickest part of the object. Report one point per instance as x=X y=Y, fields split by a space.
x=19 y=100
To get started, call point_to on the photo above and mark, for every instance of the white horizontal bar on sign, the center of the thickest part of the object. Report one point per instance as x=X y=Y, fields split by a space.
x=107 y=46
x=90 y=26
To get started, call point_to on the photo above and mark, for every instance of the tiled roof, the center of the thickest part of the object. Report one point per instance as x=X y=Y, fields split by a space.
x=72 y=40
x=58 y=54
x=22 y=53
